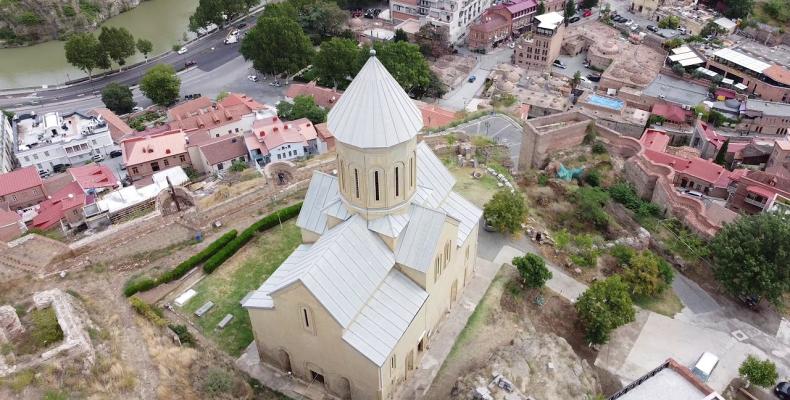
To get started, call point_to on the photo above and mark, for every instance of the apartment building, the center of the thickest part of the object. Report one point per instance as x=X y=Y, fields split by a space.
x=766 y=81
x=144 y=156
x=455 y=15
x=56 y=141
x=500 y=22
x=538 y=51
x=764 y=117
x=7 y=159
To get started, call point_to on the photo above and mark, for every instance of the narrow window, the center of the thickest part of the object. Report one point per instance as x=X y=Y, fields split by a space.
x=306 y=318
x=356 y=181
x=411 y=172
x=376 y=184
x=392 y=362
x=341 y=177
x=397 y=186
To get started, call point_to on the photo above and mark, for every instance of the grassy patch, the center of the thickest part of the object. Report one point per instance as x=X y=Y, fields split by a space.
x=479 y=315
x=667 y=303
x=229 y=284
x=478 y=191
x=44 y=331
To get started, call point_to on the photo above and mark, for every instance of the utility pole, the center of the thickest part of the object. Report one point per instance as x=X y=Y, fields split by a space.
x=173 y=194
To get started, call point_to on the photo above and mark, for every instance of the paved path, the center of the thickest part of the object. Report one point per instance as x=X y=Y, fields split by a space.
x=560 y=282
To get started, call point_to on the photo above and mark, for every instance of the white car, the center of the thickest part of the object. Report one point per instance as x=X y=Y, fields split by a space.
x=705 y=365
x=182 y=50
x=98 y=157
x=253 y=78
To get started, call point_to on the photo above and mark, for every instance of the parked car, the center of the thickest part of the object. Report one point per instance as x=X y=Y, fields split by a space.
x=559 y=64
x=705 y=365
x=782 y=391
x=191 y=96
x=587 y=12
x=189 y=63
x=472 y=78
x=137 y=109
x=694 y=193
x=594 y=77
x=575 y=18
x=652 y=28
x=116 y=153
x=182 y=50
x=44 y=173
x=98 y=157
x=753 y=302
x=60 y=167
x=253 y=78
x=635 y=27
x=241 y=25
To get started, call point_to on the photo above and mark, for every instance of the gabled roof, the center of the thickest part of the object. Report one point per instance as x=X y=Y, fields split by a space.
x=433 y=176
x=9 y=218
x=19 y=180
x=389 y=225
x=52 y=210
x=467 y=214
x=322 y=192
x=143 y=149
x=93 y=176
x=418 y=243
x=374 y=111
x=229 y=147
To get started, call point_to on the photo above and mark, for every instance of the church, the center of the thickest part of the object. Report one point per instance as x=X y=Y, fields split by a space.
x=387 y=249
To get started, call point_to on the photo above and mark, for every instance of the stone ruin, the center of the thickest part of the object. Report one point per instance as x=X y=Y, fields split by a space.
x=73 y=321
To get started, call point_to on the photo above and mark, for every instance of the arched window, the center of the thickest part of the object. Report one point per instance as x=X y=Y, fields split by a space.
x=356 y=181
x=397 y=183
x=400 y=179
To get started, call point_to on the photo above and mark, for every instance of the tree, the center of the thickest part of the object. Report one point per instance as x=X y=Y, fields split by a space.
x=336 y=61
x=570 y=11
x=118 y=43
x=118 y=98
x=217 y=12
x=751 y=254
x=669 y=22
x=589 y=3
x=722 y=154
x=433 y=40
x=712 y=28
x=505 y=211
x=400 y=36
x=761 y=373
x=85 y=52
x=144 y=46
x=276 y=46
x=673 y=43
x=541 y=8
x=406 y=64
x=577 y=78
x=533 y=270
x=161 y=85
x=589 y=206
x=643 y=275
x=282 y=9
x=738 y=8
x=603 y=307
x=303 y=107
x=777 y=9
x=322 y=19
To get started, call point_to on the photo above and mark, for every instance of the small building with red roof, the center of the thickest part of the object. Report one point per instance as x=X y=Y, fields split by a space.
x=671 y=112
x=219 y=154
x=118 y=128
x=323 y=97
x=144 y=156
x=759 y=191
x=65 y=205
x=705 y=139
x=273 y=139
x=11 y=225
x=21 y=188
x=93 y=177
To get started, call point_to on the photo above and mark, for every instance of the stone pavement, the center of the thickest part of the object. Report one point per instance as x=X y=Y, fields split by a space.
x=275 y=379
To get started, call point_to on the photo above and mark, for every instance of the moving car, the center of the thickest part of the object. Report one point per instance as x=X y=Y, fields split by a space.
x=98 y=157
x=231 y=39
x=559 y=64
x=575 y=18
x=189 y=63
x=116 y=153
x=253 y=78
x=472 y=78
x=652 y=28
x=594 y=77
x=182 y=50
x=241 y=25
x=705 y=365
x=782 y=391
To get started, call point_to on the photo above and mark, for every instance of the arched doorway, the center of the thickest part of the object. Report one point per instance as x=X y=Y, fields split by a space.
x=285 y=360
x=344 y=388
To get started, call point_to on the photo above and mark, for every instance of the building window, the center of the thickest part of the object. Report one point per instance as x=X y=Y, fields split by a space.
x=307 y=318
x=134 y=170
x=182 y=157
x=167 y=163
x=393 y=362
x=35 y=192
x=220 y=166
x=376 y=184
x=154 y=166
x=397 y=186
x=35 y=156
x=356 y=181
x=411 y=172
x=93 y=141
x=28 y=158
x=13 y=197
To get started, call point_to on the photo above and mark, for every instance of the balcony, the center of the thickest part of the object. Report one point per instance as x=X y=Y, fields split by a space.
x=753 y=202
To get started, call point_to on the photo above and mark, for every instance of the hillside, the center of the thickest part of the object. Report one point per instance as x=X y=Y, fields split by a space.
x=24 y=22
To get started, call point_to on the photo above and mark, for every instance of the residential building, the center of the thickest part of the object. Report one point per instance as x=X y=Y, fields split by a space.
x=766 y=81
x=729 y=26
x=645 y=7
x=669 y=381
x=21 y=188
x=273 y=139
x=143 y=156
x=55 y=141
x=118 y=128
x=669 y=89
x=502 y=21
x=7 y=159
x=779 y=161
x=764 y=117
x=11 y=226
x=64 y=206
x=758 y=192
x=325 y=136
x=220 y=154
x=613 y=113
x=93 y=178
x=705 y=139
x=453 y=15
x=324 y=97
x=388 y=248
x=538 y=51
x=233 y=114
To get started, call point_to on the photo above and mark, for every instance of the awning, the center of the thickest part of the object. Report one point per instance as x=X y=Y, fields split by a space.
x=760 y=191
x=706 y=71
x=741 y=86
x=727 y=81
x=691 y=61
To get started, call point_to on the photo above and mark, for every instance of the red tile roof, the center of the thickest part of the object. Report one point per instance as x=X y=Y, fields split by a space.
x=434 y=116
x=188 y=108
x=516 y=6
x=93 y=176
x=710 y=135
x=143 y=149
x=490 y=22
x=8 y=218
x=19 y=180
x=670 y=112
x=233 y=100
x=54 y=209
x=655 y=140
x=118 y=128
x=274 y=132
x=229 y=147
x=778 y=73
x=324 y=97
x=699 y=168
x=759 y=190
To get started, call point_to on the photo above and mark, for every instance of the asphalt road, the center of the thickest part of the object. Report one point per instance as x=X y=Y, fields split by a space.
x=209 y=52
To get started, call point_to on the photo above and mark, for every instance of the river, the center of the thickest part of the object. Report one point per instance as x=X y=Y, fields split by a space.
x=163 y=22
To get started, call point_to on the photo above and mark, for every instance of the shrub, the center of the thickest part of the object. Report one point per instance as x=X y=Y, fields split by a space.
x=46 y=329
x=29 y=18
x=183 y=333
x=603 y=307
x=181 y=269
x=561 y=239
x=533 y=270
x=543 y=179
x=505 y=211
x=238 y=166
x=147 y=311
x=643 y=275
x=622 y=253
x=593 y=178
x=138 y=285
x=598 y=148
x=217 y=381
x=761 y=373
x=590 y=202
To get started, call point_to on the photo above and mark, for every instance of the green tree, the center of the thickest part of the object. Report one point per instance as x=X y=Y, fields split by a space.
x=303 y=107
x=85 y=52
x=283 y=9
x=738 y=8
x=589 y=3
x=336 y=61
x=144 y=46
x=577 y=78
x=643 y=275
x=761 y=373
x=161 y=85
x=118 y=98
x=406 y=64
x=603 y=307
x=589 y=206
x=432 y=40
x=777 y=9
x=751 y=254
x=541 y=8
x=400 y=36
x=669 y=22
x=673 y=43
x=118 y=43
x=322 y=19
x=217 y=12
x=569 y=11
x=533 y=270
x=722 y=154
x=505 y=211
x=276 y=46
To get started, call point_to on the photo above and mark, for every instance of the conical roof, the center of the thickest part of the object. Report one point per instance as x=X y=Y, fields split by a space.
x=374 y=112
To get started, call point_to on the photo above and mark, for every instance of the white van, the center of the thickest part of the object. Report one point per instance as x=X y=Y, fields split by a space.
x=705 y=365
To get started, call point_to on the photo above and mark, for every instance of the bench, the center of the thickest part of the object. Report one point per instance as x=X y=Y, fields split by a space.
x=225 y=321
x=204 y=308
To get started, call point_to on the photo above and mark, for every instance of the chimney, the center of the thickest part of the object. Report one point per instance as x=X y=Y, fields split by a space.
x=167 y=151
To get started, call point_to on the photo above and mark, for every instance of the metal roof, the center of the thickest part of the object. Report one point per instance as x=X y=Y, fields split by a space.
x=550 y=20
x=432 y=174
x=323 y=190
x=337 y=209
x=419 y=242
x=683 y=56
x=374 y=111
x=389 y=225
x=768 y=107
x=261 y=298
x=742 y=60
x=465 y=212
x=691 y=61
x=681 y=50
x=379 y=326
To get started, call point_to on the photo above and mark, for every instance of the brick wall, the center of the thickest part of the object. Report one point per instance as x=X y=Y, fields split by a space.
x=539 y=140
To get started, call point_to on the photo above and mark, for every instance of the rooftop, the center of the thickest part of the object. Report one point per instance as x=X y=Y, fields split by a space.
x=52 y=210
x=742 y=60
x=19 y=179
x=93 y=176
x=143 y=149
x=676 y=90
x=768 y=107
x=39 y=131
x=670 y=381
x=516 y=6
x=549 y=20
x=229 y=147
x=324 y=97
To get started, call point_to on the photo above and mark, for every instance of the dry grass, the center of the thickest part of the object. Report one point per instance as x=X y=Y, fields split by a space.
x=225 y=191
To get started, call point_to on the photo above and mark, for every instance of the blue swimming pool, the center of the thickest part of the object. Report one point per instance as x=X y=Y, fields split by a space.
x=608 y=102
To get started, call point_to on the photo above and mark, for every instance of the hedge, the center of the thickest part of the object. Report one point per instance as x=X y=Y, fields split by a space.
x=246 y=235
x=147 y=311
x=181 y=269
x=138 y=285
